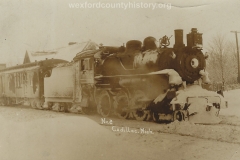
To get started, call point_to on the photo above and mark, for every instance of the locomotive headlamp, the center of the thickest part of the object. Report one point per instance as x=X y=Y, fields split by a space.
x=194 y=63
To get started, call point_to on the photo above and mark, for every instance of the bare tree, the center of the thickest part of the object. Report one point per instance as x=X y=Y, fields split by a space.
x=222 y=62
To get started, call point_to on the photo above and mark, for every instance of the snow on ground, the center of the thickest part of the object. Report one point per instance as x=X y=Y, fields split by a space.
x=27 y=134
x=233 y=98
x=227 y=131
x=224 y=133
x=70 y=137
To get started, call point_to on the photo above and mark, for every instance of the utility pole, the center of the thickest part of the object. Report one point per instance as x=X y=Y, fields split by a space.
x=236 y=32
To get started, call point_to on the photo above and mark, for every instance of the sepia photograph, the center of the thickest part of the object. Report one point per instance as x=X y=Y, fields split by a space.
x=119 y=80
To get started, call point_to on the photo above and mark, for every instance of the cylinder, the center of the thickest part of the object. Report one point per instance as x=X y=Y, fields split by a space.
x=178 y=38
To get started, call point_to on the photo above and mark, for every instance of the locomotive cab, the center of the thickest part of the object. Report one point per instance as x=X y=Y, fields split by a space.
x=86 y=70
x=73 y=92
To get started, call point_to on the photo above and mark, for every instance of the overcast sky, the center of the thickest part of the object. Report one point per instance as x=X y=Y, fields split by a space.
x=37 y=25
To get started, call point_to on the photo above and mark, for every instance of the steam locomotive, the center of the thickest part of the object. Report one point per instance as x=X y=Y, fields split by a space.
x=141 y=81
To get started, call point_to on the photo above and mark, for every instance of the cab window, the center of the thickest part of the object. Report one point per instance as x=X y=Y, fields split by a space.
x=86 y=64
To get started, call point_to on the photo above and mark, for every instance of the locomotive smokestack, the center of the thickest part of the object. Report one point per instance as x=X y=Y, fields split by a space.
x=178 y=38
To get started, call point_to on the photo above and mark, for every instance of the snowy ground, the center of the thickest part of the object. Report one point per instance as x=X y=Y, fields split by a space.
x=233 y=98
x=28 y=134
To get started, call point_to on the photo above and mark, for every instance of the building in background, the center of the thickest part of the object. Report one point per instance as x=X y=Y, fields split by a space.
x=65 y=53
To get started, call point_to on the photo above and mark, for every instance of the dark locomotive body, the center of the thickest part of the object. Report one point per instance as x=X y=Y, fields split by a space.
x=133 y=77
x=24 y=83
x=140 y=81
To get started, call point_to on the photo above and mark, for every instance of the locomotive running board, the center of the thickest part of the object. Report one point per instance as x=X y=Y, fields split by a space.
x=174 y=77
